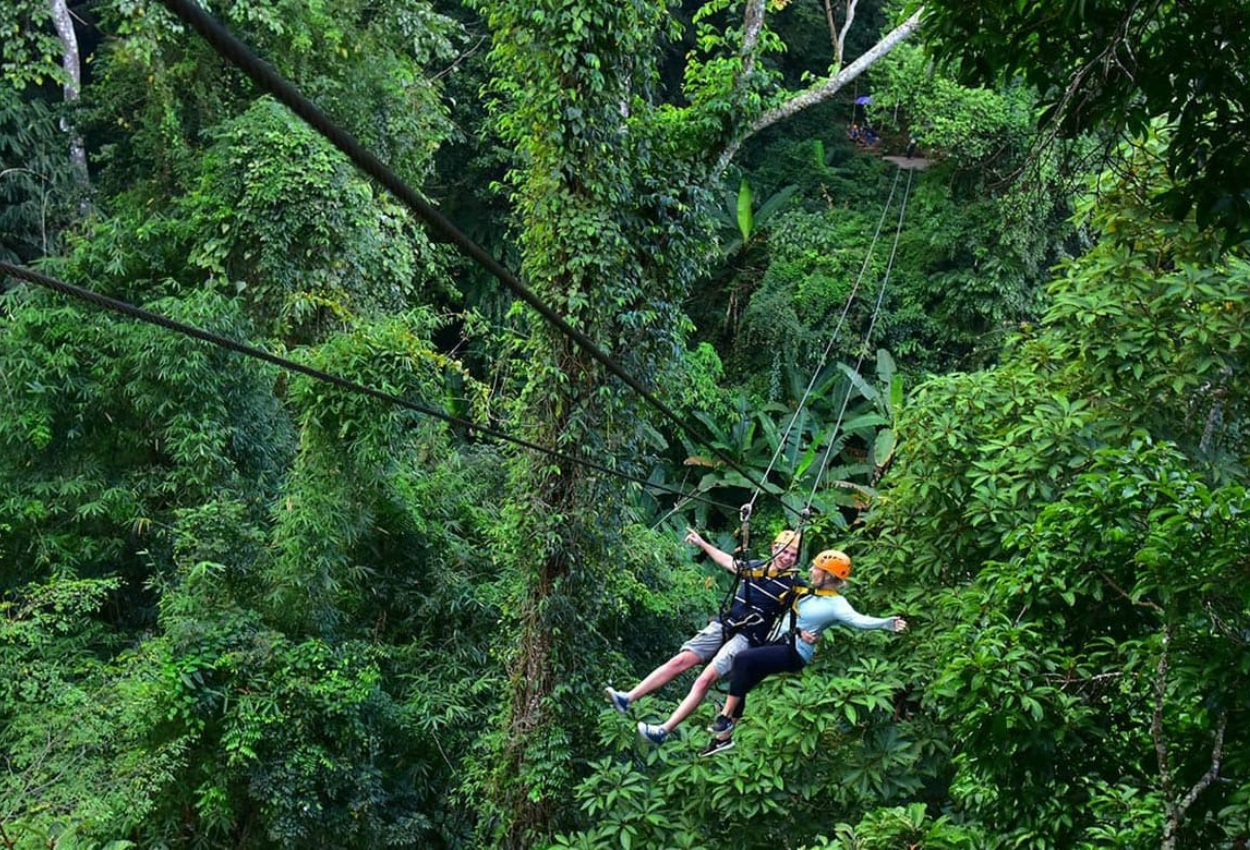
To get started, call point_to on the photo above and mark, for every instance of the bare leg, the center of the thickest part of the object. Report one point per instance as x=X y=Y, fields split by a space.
x=697 y=692
x=665 y=673
x=731 y=703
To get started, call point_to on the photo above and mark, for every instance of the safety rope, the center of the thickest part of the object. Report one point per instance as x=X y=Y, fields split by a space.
x=824 y=464
x=126 y=309
x=793 y=597
x=238 y=54
x=824 y=357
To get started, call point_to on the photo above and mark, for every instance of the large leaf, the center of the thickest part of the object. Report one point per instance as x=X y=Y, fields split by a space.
x=774 y=203
x=863 y=422
x=896 y=396
x=887 y=371
x=746 y=219
x=866 y=389
x=883 y=448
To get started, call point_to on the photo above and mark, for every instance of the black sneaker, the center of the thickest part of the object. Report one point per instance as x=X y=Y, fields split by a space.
x=717 y=745
x=722 y=726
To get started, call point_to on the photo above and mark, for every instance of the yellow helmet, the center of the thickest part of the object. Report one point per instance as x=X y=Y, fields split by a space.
x=786 y=537
x=834 y=562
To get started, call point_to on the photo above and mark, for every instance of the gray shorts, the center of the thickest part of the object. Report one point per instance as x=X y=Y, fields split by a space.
x=710 y=643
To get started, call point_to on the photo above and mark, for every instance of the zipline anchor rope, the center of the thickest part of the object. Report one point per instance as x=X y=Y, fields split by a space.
x=126 y=309
x=837 y=331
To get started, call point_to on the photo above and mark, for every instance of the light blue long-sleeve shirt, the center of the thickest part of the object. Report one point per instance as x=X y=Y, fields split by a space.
x=817 y=613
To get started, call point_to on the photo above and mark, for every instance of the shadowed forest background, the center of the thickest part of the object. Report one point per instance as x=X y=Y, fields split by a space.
x=243 y=607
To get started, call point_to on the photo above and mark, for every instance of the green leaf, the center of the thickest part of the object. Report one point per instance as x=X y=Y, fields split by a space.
x=746 y=220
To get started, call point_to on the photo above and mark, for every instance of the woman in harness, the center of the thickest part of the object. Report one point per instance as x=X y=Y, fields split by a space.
x=817 y=607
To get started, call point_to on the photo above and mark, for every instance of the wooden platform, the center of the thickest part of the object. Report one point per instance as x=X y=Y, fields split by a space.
x=916 y=163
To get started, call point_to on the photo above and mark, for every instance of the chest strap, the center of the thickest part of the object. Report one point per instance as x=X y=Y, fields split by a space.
x=792 y=597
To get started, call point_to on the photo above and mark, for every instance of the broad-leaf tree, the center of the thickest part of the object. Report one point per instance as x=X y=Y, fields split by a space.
x=1074 y=520
x=1115 y=68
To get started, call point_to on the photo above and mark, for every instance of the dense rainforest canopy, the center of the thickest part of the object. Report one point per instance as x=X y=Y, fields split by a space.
x=962 y=289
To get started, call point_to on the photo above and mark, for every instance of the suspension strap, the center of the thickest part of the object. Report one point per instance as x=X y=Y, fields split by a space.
x=805 y=516
x=800 y=590
x=740 y=570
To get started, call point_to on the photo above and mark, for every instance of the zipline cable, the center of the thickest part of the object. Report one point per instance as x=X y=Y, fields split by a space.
x=863 y=351
x=806 y=513
x=238 y=54
x=824 y=357
x=143 y=315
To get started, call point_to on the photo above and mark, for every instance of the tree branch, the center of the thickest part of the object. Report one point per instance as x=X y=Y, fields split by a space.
x=1176 y=811
x=72 y=63
x=1217 y=756
x=1156 y=725
x=461 y=58
x=839 y=47
x=823 y=90
x=1142 y=603
x=833 y=34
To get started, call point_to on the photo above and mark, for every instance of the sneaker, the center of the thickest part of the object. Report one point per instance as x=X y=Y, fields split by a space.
x=717 y=745
x=655 y=734
x=618 y=700
x=722 y=726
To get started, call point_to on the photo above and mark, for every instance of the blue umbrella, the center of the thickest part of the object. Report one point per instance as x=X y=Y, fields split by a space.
x=863 y=100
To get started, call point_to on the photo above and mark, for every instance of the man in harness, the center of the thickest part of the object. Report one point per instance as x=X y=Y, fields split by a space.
x=755 y=609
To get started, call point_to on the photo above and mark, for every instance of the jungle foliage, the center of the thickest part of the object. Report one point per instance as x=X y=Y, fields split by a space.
x=1115 y=68
x=241 y=607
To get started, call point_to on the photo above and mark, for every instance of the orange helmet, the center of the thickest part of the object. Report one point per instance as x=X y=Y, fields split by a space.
x=786 y=537
x=834 y=562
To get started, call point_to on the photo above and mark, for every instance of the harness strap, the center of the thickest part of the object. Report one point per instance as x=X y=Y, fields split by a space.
x=740 y=571
x=793 y=596
x=807 y=590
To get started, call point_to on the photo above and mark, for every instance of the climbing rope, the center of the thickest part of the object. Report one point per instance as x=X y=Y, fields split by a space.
x=824 y=357
x=804 y=515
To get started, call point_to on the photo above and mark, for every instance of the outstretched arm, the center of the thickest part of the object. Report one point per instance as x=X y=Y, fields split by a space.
x=721 y=557
x=845 y=613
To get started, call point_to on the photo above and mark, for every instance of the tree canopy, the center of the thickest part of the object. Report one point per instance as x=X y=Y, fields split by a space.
x=1116 y=69
x=244 y=606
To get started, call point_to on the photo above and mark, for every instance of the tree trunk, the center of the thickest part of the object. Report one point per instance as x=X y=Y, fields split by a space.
x=555 y=610
x=533 y=677
x=72 y=63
